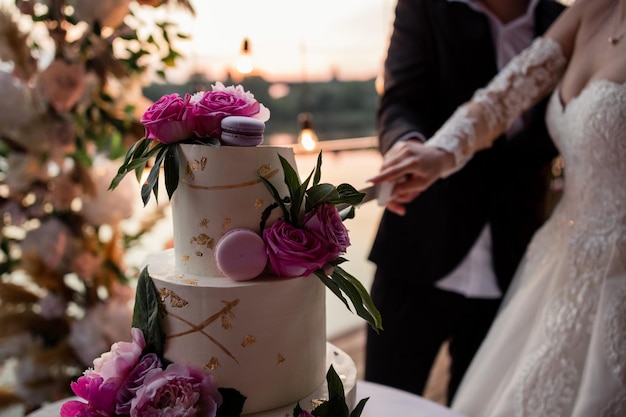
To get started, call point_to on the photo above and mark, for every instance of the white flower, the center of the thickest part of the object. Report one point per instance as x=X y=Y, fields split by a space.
x=109 y=206
x=16 y=106
x=108 y=12
x=104 y=324
x=52 y=306
x=49 y=242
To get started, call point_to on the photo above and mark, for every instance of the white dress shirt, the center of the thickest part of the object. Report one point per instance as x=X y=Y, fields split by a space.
x=475 y=276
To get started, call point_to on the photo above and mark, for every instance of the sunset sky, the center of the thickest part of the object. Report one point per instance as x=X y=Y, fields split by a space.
x=289 y=39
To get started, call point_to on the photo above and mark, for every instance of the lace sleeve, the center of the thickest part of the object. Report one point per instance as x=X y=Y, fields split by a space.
x=527 y=78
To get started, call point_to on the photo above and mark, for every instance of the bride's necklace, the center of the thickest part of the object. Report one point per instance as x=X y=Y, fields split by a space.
x=617 y=34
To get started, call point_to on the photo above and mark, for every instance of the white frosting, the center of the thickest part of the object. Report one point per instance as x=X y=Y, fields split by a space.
x=345 y=368
x=265 y=338
x=220 y=190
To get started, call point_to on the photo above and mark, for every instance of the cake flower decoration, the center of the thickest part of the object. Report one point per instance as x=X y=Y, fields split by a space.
x=311 y=237
x=174 y=119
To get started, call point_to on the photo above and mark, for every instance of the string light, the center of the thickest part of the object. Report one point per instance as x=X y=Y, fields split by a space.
x=244 y=63
x=307 y=136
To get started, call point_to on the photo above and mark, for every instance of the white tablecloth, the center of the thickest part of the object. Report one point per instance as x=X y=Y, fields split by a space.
x=383 y=402
x=390 y=402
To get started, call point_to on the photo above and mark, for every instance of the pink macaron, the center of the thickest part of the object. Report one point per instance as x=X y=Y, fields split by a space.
x=242 y=131
x=240 y=254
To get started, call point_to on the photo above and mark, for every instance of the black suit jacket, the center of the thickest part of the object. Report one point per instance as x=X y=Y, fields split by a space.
x=440 y=53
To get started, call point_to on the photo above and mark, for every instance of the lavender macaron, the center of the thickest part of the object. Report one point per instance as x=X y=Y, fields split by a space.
x=240 y=254
x=242 y=131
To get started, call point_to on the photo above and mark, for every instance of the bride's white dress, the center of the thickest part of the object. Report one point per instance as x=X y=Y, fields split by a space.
x=558 y=346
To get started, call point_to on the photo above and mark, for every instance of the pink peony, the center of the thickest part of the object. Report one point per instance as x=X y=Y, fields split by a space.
x=134 y=381
x=209 y=108
x=177 y=391
x=165 y=120
x=115 y=365
x=293 y=252
x=325 y=223
x=100 y=396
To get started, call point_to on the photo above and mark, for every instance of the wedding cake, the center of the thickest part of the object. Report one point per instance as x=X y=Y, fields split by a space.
x=231 y=321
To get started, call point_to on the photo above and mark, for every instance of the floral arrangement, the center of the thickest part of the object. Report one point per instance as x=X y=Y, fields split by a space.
x=71 y=76
x=135 y=379
x=309 y=238
x=191 y=119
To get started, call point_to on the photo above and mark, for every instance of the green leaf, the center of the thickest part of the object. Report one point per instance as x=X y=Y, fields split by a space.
x=349 y=195
x=297 y=191
x=359 y=408
x=361 y=299
x=274 y=192
x=148 y=314
x=321 y=193
x=331 y=285
x=318 y=170
x=170 y=168
x=232 y=403
x=152 y=182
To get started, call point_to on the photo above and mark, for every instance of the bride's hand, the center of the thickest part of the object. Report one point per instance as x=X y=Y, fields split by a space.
x=412 y=167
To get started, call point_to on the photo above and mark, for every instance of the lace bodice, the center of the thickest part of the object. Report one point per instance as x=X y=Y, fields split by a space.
x=590 y=133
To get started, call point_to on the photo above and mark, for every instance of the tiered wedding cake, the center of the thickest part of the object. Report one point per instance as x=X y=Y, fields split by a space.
x=236 y=310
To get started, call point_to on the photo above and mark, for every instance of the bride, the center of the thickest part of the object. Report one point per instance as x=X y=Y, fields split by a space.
x=558 y=346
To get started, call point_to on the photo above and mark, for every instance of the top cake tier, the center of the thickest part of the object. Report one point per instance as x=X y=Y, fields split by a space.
x=219 y=190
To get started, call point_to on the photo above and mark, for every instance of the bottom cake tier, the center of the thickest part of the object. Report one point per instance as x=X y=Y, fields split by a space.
x=265 y=337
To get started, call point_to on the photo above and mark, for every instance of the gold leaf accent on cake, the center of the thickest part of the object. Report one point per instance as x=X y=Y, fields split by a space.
x=184 y=258
x=265 y=169
x=228 y=186
x=198 y=253
x=189 y=170
x=164 y=293
x=227 y=221
x=212 y=364
x=315 y=402
x=226 y=311
x=226 y=323
x=204 y=223
x=175 y=300
x=280 y=359
x=203 y=162
x=248 y=340
x=258 y=203
x=190 y=281
x=193 y=240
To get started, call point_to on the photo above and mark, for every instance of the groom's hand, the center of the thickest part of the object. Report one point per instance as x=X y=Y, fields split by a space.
x=412 y=167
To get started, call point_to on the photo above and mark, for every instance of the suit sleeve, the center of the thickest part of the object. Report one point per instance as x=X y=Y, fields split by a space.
x=403 y=106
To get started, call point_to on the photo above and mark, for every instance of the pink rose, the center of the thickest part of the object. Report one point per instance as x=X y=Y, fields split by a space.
x=123 y=356
x=209 y=108
x=325 y=223
x=165 y=120
x=177 y=391
x=293 y=252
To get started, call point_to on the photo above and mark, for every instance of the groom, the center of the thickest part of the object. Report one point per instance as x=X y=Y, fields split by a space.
x=443 y=266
